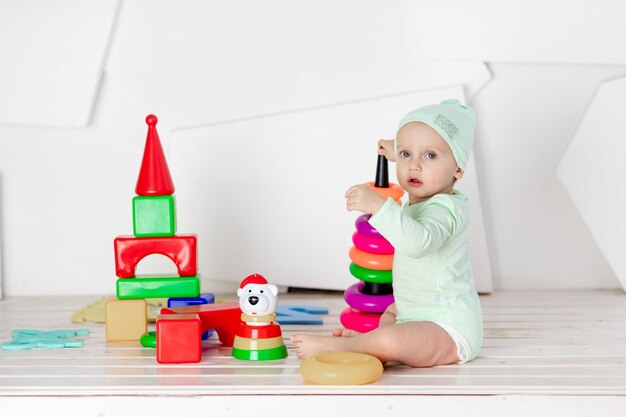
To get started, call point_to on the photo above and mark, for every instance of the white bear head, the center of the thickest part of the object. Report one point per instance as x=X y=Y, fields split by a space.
x=256 y=296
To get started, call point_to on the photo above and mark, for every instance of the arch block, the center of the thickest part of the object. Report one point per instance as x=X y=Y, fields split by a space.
x=225 y=318
x=181 y=249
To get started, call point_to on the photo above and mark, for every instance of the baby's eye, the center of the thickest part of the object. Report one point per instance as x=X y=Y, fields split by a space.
x=430 y=155
x=405 y=154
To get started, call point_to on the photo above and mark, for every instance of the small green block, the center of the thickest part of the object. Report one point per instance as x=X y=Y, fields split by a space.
x=279 y=352
x=157 y=287
x=154 y=216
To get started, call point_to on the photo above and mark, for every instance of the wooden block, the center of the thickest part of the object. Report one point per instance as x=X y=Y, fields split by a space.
x=178 y=338
x=154 y=216
x=126 y=319
x=157 y=287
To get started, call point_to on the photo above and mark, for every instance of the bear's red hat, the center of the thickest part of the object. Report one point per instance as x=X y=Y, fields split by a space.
x=253 y=279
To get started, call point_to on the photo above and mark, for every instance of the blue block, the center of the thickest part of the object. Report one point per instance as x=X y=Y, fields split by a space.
x=203 y=298
x=299 y=314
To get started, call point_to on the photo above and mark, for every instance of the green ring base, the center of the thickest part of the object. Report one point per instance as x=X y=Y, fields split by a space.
x=279 y=352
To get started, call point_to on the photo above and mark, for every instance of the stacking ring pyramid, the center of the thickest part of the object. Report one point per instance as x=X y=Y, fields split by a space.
x=372 y=260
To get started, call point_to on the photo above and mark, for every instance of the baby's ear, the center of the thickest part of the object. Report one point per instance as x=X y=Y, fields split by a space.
x=459 y=174
x=273 y=288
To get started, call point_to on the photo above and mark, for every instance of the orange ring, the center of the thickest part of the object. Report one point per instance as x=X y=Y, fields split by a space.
x=341 y=368
x=394 y=191
x=371 y=260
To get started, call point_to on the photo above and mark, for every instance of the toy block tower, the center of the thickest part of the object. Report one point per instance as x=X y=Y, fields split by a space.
x=372 y=260
x=154 y=230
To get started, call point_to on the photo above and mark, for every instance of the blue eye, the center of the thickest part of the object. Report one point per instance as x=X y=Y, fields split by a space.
x=430 y=155
x=404 y=154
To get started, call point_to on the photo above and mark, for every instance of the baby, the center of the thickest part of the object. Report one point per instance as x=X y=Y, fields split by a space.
x=436 y=318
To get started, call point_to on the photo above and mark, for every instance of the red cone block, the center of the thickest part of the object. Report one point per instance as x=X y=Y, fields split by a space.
x=154 y=176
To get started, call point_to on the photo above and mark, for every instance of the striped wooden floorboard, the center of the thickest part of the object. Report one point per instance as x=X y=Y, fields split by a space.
x=560 y=350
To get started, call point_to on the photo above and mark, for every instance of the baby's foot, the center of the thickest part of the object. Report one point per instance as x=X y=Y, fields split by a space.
x=310 y=345
x=344 y=332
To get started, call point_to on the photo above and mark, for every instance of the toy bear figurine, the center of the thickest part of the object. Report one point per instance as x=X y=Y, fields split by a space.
x=259 y=336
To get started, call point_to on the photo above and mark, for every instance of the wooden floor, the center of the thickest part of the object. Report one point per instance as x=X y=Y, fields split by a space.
x=543 y=351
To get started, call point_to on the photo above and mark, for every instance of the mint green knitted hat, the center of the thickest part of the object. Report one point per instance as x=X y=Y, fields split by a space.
x=453 y=121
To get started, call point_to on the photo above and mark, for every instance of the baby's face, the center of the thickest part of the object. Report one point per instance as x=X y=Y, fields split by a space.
x=425 y=163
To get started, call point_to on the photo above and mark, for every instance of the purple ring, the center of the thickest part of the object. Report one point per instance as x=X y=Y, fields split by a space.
x=367 y=303
x=364 y=227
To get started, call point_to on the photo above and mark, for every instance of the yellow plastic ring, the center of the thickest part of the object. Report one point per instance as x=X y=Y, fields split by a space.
x=341 y=368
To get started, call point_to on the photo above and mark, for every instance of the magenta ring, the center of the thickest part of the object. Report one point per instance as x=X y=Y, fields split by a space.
x=364 y=227
x=364 y=302
x=372 y=244
x=359 y=321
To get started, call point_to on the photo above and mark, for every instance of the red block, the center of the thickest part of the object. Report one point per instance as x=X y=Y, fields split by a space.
x=178 y=338
x=154 y=175
x=182 y=249
x=225 y=318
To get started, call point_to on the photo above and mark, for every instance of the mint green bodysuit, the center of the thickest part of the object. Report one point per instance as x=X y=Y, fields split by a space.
x=432 y=271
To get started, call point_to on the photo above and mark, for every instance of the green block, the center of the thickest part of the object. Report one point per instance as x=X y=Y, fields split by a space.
x=157 y=287
x=154 y=216
x=279 y=352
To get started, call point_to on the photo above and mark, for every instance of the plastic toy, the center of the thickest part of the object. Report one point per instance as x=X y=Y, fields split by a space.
x=181 y=249
x=47 y=339
x=148 y=340
x=126 y=319
x=372 y=261
x=157 y=287
x=203 y=298
x=154 y=216
x=178 y=338
x=154 y=228
x=341 y=368
x=370 y=275
x=225 y=318
x=257 y=301
x=154 y=175
x=299 y=314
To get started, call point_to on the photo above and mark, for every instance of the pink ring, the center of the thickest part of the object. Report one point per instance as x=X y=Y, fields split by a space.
x=364 y=227
x=359 y=321
x=372 y=244
x=364 y=302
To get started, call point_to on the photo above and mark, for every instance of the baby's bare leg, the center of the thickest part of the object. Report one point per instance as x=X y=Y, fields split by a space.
x=418 y=344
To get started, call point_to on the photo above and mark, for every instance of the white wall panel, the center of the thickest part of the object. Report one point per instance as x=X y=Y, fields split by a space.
x=202 y=62
x=537 y=31
x=267 y=195
x=52 y=54
x=592 y=170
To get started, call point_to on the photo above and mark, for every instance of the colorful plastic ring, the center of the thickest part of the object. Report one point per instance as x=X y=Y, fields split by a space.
x=364 y=227
x=370 y=260
x=148 y=340
x=371 y=275
x=394 y=191
x=259 y=332
x=341 y=368
x=260 y=355
x=368 y=303
x=258 y=320
x=372 y=244
x=359 y=321
x=245 y=343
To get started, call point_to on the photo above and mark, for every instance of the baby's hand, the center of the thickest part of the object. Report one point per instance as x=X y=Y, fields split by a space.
x=387 y=148
x=364 y=199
